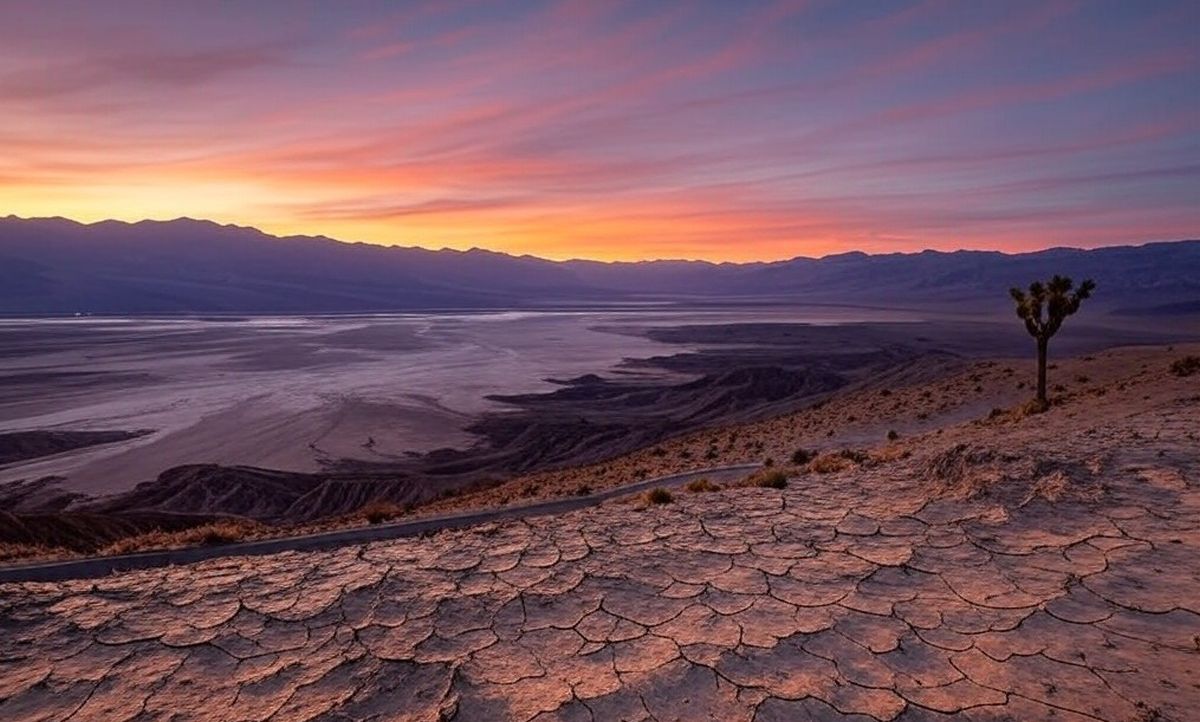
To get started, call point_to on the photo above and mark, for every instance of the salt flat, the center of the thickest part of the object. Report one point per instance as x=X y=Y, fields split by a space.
x=296 y=392
x=278 y=392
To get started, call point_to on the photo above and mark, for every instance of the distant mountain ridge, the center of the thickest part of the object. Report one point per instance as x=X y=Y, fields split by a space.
x=59 y=266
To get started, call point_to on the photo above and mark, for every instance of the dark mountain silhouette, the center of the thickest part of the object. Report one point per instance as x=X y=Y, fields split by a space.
x=55 y=265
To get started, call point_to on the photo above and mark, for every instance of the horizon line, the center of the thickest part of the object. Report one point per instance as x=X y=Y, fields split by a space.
x=576 y=259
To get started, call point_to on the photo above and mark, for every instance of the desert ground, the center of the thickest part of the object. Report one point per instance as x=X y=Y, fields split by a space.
x=984 y=563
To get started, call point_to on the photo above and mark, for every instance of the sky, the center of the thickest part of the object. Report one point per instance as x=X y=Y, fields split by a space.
x=613 y=130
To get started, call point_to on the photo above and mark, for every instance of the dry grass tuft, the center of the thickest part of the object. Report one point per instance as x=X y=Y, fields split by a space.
x=832 y=462
x=802 y=456
x=1186 y=366
x=1032 y=407
x=659 y=496
x=829 y=463
x=11 y=551
x=891 y=452
x=225 y=531
x=378 y=511
x=699 y=486
x=767 y=479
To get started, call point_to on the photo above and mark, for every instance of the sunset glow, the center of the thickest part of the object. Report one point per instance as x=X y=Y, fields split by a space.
x=724 y=131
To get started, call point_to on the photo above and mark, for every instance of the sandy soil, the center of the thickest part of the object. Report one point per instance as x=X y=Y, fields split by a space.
x=1007 y=566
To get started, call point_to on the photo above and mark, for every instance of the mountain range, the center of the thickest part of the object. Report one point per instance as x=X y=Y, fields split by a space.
x=60 y=266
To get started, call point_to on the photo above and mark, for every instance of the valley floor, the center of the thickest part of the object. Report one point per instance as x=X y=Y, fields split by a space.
x=982 y=566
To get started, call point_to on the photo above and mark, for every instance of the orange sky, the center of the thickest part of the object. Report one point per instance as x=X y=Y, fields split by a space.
x=722 y=131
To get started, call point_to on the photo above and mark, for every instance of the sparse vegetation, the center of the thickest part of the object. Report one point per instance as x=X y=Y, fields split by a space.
x=378 y=511
x=702 y=485
x=11 y=551
x=892 y=435
x=1043 y=309
x=659 y=496
x=802 y=456
x=768 y=479
x=225 y=531
x=1186 y=366
x=828 y=463
x=1032 y=407
x=835 y=461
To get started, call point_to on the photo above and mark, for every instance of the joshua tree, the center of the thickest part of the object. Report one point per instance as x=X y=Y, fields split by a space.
x=1043 y=310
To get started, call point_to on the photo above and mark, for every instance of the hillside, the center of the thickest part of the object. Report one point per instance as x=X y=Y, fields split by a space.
x=58 y=266
x=999 y=567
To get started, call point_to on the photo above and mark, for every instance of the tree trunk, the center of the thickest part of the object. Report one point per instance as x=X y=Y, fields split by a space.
x=1042 y=343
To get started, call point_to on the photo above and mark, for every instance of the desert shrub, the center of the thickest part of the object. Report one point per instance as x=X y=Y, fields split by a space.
x=1186 y=366
x=768 y=461
x=766 y=479
x=890 y=453
x=378 y=511
x=224 y=531
x=659 y=496
x=892 y=435
x=12 y=551
x=802 y=456
x=583 y=490
x=829 y=463
x=1082 y=379
x=854 y=455
x=712 y=453
x=699 y=486
x=772 y=480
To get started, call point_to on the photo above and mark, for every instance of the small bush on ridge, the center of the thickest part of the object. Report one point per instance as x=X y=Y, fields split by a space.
x=698 y=486
x=659 y=496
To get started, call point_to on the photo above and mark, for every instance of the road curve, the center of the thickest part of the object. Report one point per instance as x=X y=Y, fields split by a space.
x=91 y=567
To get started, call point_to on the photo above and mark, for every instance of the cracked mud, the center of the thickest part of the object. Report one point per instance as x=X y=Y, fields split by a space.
x=1062 y=588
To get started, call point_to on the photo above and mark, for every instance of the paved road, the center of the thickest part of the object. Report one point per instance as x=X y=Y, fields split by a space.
x=91 y=567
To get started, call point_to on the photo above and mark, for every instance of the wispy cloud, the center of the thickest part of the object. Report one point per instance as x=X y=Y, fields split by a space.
x=615 y=130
